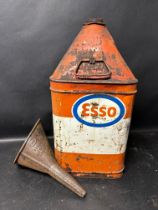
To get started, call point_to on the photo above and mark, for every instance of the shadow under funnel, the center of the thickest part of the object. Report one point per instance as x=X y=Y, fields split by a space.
x=36 y=154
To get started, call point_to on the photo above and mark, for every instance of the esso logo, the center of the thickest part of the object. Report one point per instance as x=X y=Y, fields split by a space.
x=98 y=110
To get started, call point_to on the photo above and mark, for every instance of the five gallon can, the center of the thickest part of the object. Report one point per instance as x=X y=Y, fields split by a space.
x=92 y=92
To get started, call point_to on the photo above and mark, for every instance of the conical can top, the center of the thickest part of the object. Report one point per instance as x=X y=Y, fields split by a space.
x=36 y=153
x=92 y=58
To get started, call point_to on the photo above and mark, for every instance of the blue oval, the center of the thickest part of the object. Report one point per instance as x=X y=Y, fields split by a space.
x=85 y=98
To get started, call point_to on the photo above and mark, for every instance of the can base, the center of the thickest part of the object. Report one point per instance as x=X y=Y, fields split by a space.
x=98 y=175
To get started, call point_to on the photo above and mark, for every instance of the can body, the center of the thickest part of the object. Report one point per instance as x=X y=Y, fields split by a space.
x=91 y=126
x=92 y=92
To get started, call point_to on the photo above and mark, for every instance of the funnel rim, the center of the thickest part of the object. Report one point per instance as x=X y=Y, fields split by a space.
x=26 y=140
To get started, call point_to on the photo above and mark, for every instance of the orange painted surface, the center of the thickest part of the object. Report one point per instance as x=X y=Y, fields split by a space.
x=62 y=103
x=91 y=163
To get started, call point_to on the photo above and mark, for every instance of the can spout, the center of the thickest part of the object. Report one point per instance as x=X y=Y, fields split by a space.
x=36 y=154
x=95 y=20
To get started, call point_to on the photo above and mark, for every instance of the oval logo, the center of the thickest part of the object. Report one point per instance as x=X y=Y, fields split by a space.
x=98 y=110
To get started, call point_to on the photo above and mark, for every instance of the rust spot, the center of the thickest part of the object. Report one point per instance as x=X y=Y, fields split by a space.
x=118 y=71
x=78 y=158
x=113 y=56
x=121 y=147
x=91 y=141
x=94 y=117
x=81 y=127
x=61 y=68
x=83 y=157
x=119 y=128
x=68 y=169
x=94 y=104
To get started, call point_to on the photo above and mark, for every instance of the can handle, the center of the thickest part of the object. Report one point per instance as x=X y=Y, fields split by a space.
x=89 y=68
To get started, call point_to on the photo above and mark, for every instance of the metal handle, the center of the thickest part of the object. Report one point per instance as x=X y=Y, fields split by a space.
x=88 y=69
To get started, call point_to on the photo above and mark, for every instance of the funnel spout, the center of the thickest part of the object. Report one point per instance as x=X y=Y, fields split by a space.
x=66 y=179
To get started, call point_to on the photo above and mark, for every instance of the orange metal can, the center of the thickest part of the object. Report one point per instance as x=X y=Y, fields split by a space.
x=92 y=92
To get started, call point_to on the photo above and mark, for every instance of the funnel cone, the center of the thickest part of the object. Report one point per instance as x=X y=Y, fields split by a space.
x=36 y=154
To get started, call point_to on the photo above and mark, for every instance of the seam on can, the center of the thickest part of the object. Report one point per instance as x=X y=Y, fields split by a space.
x=105 y=92
x=92 y=82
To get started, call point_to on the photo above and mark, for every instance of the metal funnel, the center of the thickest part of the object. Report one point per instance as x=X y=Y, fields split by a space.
x=36 y=154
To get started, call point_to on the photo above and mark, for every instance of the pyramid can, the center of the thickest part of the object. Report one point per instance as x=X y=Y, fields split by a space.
x=92 y=91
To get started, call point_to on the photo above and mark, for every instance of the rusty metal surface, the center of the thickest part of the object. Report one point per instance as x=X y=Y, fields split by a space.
x=36 y=154
x=92 y=69
x=109 y=81
x=94 y=42
x=98 y=175
x=92 y=92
